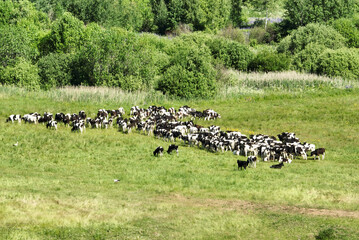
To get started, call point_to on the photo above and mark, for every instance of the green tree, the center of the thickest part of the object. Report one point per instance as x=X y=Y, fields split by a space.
x=236 y=12
x=190 y=72
x=55 y=70
x=265 y=6
x=16 y=42
x=301 y=12
x=66 y=34
x=347 y=28
x=311 y=33
x=23 y=74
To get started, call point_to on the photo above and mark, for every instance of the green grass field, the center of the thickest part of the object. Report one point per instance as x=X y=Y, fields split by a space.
x=59 y=184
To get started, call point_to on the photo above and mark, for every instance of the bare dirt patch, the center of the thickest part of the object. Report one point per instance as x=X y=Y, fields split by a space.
x=253 y=206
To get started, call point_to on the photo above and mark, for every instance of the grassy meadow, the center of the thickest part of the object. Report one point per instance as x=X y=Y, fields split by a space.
x=59 y=184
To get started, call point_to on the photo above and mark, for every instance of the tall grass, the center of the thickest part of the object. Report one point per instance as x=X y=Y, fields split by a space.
x=241 y=83
x=86 y=94
x=232 y=84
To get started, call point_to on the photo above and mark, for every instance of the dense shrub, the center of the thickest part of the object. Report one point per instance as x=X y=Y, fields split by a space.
x=307 y=59
x=230 y=53
x=267 y=60
x=301 y=12
x=190 y=72
x=66 y=34
x=342 y=62
x=55 y=70
x=120 y=58
x=312 y=33
x=22 y=74
x=16 y=42
x=234 y=34
x=264 y=35
x=347 y=28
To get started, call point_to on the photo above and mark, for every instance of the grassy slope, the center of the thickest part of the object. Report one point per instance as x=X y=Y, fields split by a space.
x=60 y=184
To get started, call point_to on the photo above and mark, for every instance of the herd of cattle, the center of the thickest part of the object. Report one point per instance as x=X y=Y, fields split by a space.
x=167 y=124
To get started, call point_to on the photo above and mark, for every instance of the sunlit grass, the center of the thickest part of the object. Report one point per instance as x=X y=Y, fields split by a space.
x=59 y=184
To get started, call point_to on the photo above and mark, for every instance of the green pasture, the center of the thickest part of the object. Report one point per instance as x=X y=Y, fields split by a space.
x=59 y=184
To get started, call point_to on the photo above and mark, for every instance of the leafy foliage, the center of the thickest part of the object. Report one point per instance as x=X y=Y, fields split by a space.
x=302 y=12
x=312 y=33
x=22 y=74
x=341 y=62
x=55 y=70
x=66 y=34
x=16 y=42
x=307 y=59
x=268 y=59
x=189 y=73
x=347 y=28
x=230 y=53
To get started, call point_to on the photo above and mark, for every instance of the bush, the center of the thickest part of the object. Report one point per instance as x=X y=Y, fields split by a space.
x=22 y=74
x=312 y=33
x=307 y=59
x=347 y=28
x=342 y=62
x=190 y=72
x=301 y=12
x=55 y=70
x=234 y=34
x=16 y=42
x=267 y=60
x=231 y=54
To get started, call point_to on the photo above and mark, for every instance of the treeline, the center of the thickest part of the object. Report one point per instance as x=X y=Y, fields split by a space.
x=45 y=44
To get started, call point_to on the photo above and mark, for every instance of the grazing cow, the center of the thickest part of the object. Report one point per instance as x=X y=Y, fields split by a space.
x=172 y=148
x=51 y=124
x=285 y=160
x=159 y=151
x=13 y=118
x=82 y=115
x=78 y=126
x=318 y=152
x=242 y=164
x=252 y=161
x=59 y=117
x=278 y=166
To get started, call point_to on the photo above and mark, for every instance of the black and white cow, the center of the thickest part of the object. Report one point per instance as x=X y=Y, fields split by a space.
x=318 y=152
x=171 y=148
x=158 y=152
x=51 y=124
x=13 y=118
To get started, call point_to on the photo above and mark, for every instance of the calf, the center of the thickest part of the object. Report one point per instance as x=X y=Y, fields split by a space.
x=242 y=164
x=159 y=151
x=278 y=166
x=172 y=148
x=318 y=152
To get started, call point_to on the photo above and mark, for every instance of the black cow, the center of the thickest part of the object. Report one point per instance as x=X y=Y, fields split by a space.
x=242 y=164
x=318 y=152
x=278 y=166
x=172 y=148
x=158 y=151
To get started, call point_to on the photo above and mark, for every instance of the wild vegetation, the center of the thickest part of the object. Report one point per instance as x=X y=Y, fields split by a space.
x=123 y=44
x=294 y=67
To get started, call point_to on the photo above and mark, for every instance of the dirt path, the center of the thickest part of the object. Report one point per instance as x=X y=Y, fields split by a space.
x=251 y=206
